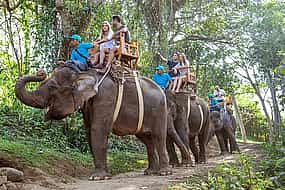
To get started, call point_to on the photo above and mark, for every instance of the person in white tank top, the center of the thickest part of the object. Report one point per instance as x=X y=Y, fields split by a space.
x=105 y=42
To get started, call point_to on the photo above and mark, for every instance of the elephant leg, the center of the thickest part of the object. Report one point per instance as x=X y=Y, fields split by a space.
x=226 y=142
x=87 y=128
x=232 y=149
x=98 y=139
x=153 y=163
x=194 y=148
x=88 y=138
x=231 y=136
x=210 y=136
x=221 y=142
x=173 y=159
x=159 y=141
x=183 y=140
x=202 y=148
x=186 y=158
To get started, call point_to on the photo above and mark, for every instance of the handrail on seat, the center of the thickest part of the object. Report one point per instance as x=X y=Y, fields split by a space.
x=128 y=52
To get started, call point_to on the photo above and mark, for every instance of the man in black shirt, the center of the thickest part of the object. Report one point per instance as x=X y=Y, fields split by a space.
x=171 y=64
x=119 y=28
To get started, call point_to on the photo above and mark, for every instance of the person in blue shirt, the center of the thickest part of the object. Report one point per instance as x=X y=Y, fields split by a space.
x=214 y=104
x=79 y=53
x=161 y=78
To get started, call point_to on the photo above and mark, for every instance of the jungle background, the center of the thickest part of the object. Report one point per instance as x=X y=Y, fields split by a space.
x=238 y=45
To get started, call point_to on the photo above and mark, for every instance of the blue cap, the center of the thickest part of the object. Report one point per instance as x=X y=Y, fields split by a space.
x=160 y=68
x=75 y=37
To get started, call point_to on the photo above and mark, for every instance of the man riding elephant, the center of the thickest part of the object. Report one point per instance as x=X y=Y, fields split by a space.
x=191 y=121
x=113 y=108
x=223 y=124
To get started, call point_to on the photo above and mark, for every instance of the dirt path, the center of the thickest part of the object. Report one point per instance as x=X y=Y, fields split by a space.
x=136 y=180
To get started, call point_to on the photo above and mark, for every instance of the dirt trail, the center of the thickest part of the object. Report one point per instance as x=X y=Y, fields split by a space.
x=136 y=180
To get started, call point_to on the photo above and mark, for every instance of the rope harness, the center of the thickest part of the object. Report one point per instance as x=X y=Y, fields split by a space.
x=141 y=103
x=120 y=98
x=189 y=111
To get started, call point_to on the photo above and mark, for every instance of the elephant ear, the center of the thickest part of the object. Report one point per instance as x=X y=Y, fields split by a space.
x=85 y=88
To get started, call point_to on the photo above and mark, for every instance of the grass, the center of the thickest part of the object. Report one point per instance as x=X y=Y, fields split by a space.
x=195 y=182
x=41 y=157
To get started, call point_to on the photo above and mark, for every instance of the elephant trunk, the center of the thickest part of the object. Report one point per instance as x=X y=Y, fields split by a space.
x=30 y=98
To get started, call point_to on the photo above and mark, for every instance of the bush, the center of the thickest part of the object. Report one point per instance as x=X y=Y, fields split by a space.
x=273 y=164
x=240 y=176
x=26 y=124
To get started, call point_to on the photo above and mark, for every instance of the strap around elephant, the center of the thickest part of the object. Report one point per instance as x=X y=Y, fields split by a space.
x=188 y=107
x=119 y=100
x=141 y=103
x=202 y=117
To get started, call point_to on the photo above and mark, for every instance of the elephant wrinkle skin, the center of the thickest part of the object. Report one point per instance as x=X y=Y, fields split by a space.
x=223 y=125
x=183 y=131
x=66 y=91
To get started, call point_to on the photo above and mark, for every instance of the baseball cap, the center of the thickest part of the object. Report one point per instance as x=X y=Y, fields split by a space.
x=75 y=37
x=159 y=67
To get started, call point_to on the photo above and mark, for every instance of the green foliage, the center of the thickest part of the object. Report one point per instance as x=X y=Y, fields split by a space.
x=254 y=121
x=26 y=124
x=239 y=176
x=38 y=155
x=273 y=164
x=121 y=161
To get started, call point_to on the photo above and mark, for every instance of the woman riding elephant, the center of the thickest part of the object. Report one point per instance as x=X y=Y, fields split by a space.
x=223 y=124
x=191 y=121
x=67 y=91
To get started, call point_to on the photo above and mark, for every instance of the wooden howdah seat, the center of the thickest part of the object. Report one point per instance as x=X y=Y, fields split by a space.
x=128 y=53
x=190 y=81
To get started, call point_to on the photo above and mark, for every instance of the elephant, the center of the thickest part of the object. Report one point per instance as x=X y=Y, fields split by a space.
x=68 y=90
x=177 y=124
x=223 y=124
x=190 y=122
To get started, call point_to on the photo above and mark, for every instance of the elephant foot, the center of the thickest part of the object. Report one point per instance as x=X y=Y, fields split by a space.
x=165 y=171
x=174 y=164
x=187 y=164
x=202 y=162
x=224 y=153
x=150 y=171
x=102 y=175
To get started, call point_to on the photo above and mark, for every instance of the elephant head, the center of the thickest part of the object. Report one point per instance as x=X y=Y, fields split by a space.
x=64 y=92
x=216 y=120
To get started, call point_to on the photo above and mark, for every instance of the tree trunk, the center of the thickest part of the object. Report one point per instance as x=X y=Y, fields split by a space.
x=276 y=113
x=268 y=118
x=262 y=101
x=238 y=117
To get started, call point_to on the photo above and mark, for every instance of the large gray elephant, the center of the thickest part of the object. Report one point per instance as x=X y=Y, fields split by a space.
x=66 y=91
x=223 y=125
x=191 y=120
